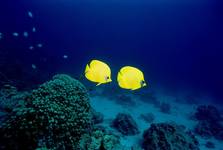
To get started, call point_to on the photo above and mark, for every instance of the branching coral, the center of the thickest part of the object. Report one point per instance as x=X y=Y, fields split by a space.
x=125 y=124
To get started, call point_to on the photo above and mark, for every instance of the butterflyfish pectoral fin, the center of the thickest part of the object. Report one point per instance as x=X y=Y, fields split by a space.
x=134 y=89
x=98 y=84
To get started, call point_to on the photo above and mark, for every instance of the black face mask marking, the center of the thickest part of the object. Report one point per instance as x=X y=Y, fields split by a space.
x=142 y=83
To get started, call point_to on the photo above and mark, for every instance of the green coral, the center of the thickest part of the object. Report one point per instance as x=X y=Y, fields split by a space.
x=10 y=98
x=54 y=116
x=99 y=140
x=8 y=90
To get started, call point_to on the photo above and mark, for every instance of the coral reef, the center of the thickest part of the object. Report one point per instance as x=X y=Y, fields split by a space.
x=208 y=129
x=10 y=98
x=149 y=117
x=207 y=113
x=125 y=124
x=102 y=139
x=209 y=122
x=54 y=116
x=168 y=136
x=8 y=90
x=99 y=140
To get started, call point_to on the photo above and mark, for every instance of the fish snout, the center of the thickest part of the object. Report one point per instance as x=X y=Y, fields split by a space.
x=109 y=80
x=143 y=83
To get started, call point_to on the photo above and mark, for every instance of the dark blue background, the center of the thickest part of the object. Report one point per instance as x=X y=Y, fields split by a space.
x=177 y=43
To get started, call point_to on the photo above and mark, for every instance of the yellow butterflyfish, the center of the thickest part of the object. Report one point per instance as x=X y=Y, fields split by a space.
x=98 y=71
x=130 y=78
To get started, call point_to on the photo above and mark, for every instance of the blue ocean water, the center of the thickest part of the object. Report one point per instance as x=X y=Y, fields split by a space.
x=174 y=43
x=177 y=44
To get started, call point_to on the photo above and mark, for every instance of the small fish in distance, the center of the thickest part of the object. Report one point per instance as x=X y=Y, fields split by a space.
x=15 y=34
x=30 y=14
